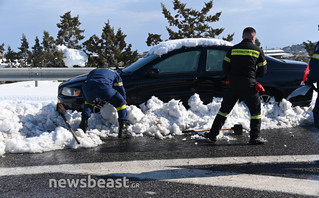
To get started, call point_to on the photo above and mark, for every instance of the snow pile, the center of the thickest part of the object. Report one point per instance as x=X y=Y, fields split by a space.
x=31 y=124
x=72 y=57
x=21 y=91
x=167 y=46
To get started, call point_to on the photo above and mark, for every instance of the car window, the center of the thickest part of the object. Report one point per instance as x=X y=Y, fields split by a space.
x=139 y=63
x=181 y=62
x=215 y=58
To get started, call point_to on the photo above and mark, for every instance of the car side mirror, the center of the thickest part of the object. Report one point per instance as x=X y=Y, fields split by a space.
x=153 y=72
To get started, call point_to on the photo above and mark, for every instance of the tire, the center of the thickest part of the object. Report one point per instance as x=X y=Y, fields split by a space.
x=267 y=95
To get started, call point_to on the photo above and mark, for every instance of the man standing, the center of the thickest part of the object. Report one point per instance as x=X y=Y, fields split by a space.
x=313 y=77
x=242 y=64
x=106 y=84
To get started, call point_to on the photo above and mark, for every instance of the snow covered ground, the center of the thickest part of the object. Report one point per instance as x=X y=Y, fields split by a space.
x=30 y=123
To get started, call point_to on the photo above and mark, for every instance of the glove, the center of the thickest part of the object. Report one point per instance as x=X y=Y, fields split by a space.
x=259 y=87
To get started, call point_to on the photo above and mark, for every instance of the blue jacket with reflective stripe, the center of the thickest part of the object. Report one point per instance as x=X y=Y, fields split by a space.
x=108 y=77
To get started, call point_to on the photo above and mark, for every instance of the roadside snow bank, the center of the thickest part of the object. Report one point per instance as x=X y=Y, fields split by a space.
x=32 y=125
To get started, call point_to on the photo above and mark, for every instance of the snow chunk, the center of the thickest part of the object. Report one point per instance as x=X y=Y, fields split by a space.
x=109 y=113
x=72 y=57
x=135 y=114
x=167 y=46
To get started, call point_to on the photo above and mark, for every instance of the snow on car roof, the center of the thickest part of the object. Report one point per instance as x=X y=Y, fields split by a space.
x=170 y=45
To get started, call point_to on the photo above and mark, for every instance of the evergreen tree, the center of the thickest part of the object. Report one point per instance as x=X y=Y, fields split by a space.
x=37 y=54
x=153 y=39
x=24 y=52
x=189 y=23
x=111 y=46
x=11 y=55
x=2 y=50
x=310 y=47
x=69 y=34
x=257 y=42
x=52 y=57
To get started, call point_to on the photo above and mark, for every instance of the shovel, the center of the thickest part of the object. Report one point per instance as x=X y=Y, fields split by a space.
x=62 y=111
x=237 y=128
x=301 y=91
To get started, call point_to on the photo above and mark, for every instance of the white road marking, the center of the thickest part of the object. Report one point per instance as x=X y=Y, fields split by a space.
x=168 y=170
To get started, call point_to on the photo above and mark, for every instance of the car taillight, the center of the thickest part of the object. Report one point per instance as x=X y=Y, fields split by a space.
x=305 y=76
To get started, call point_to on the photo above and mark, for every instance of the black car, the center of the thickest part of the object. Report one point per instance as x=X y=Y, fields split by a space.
x=184 y=71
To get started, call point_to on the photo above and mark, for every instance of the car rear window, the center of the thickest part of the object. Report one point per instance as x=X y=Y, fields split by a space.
x=215 y=58
x=181 y=62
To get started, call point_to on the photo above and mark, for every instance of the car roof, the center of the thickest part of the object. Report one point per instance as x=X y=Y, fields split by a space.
x=170 y=45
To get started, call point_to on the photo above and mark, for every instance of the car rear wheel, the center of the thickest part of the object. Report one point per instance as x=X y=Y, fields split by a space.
x=267 y=95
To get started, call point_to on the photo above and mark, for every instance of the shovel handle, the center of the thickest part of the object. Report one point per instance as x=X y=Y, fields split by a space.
x=70 y=128
x=195 y=130
x=62 y=111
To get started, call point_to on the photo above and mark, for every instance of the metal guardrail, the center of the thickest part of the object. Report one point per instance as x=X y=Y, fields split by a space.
x=38 y=74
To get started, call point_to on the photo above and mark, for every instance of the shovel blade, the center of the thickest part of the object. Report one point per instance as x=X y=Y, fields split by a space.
x=61 y=109
x=238 y=129
x=301 y=91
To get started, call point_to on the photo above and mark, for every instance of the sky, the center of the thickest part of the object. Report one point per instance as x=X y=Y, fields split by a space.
x=279 y=23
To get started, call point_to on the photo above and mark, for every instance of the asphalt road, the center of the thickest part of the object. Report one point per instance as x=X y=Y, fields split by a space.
x=286 y=166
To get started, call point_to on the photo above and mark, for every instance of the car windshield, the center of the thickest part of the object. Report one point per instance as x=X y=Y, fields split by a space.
x=138 y=64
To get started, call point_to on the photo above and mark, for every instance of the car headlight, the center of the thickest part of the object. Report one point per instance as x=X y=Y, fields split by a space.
x=70 y=91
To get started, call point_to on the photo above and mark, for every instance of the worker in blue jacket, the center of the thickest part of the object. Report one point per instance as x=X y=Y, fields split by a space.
x=105 y=84
x=313 y=77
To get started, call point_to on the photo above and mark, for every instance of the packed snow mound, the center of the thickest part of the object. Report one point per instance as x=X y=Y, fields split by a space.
x=170 y=45
x=72 y=57
x=32 y=124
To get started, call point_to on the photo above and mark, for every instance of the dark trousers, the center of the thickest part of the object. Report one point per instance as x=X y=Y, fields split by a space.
x=251 y=98
x=316 y=113
x=92 y=92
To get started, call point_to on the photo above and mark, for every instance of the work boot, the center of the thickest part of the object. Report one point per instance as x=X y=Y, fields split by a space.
x=84 y=124
x=123 y=133
x=257 y=141
x=211 y=137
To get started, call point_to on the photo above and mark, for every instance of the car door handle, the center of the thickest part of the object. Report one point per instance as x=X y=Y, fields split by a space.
x=194 y=79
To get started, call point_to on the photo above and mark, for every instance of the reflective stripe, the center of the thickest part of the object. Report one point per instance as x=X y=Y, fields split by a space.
x=106 y=68
x=262 y=64
x=255 y=117
x=245 y=52
x=86 y=102
x=118 y=84
x=316 y=56
x=222 y=114
x=121 y=108
x=227 y=59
